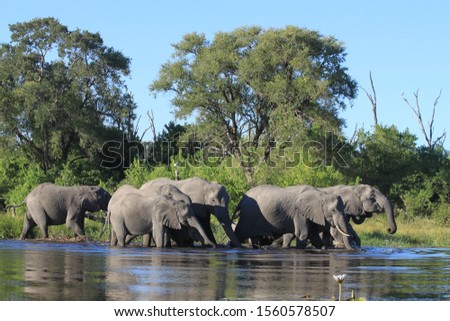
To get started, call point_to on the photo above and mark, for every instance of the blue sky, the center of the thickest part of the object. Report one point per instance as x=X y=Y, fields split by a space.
x=405 y=44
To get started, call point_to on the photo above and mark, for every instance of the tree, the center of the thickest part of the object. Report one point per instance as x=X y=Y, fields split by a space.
x=62 y=92
x=384 y=157
x=373 y=100
x=428 y=135
x=257 y=84
x=166 y=144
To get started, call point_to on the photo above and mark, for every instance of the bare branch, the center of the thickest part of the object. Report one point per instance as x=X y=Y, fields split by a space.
x=354 y=135
x=151 y=119
x=373 y=99
x=416 y=109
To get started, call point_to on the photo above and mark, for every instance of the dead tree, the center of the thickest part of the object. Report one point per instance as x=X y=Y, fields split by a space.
x=428 y=135
x=151 y=119
x=373 y=99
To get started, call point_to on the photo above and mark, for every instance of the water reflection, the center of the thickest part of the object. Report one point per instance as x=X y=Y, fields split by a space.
x=33 y=270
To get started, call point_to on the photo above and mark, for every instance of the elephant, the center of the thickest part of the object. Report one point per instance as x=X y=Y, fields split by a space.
x=207 y=198
x=179 y=236
x=361 y=202
x=50 y=204
x=272 y=211
x=133 y=212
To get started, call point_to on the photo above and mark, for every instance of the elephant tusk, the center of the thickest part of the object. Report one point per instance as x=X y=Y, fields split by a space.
x=341 y=231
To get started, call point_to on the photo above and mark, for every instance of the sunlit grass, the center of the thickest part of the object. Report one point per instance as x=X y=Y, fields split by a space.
x=11 y=227
x=411 y=233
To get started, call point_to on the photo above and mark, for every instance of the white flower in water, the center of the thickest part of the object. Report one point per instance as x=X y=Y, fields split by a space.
x=340 y=278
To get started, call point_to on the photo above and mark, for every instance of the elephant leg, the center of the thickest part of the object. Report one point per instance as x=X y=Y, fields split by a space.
x=256 y=242
x=278 y=242
x=72 y=222
x=113 y=241
x=121 y=239
x=160 y=235
x=44 y=230
x=287 y=239
x=206 y=225
x=129 y=238
x=39 y=216
x=301 y=232
x=120 y=234
x=316 y=241
x=28 y=224
x=327 y=238
x=147 y=240
x=80 y=222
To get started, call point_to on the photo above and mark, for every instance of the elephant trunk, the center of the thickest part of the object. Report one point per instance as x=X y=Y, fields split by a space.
x=348 y=239
x=221 y=213
x=386 y=205
x=193 y=222
x=231 y=235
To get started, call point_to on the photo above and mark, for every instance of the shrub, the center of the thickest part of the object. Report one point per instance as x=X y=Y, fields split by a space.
x=29 y=176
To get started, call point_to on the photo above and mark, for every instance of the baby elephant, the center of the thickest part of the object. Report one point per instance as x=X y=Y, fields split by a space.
x=49 y=204
x=135 y=213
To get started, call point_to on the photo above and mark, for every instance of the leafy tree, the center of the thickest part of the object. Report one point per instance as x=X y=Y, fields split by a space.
x=258 y=85
x=166 y=144
x=62 y=92
x=384 y=157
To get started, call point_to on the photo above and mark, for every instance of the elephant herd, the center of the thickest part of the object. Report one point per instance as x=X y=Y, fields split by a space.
x=179 y=212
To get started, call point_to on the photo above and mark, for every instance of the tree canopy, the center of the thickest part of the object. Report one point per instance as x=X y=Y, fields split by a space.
x=253 y=84
x=62 y=92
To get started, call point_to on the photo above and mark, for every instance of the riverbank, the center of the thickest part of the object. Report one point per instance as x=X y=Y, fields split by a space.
x=411 y=233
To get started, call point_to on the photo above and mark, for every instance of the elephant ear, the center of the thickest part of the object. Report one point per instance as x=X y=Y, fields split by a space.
x=310 y=205
x=88 y=198
x=165 y=213
x=352 y=200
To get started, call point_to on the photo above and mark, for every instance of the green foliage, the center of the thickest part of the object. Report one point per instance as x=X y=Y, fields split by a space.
x=141 y=172
x=62 y=92
x=28 y=176
x=77 y=172
x=250 y=83
x=441 y=214
x=385 y=156
x=10 y=226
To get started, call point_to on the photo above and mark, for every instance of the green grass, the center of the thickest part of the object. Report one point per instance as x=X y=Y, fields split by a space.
x=11 y=227
x=418 y=232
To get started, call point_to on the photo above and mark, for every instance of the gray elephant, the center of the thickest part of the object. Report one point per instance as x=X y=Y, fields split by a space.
x=49 y=204
x=133 y=212
x=361 y=201
x=271 y=211
x=178 y=236
x=207 y=198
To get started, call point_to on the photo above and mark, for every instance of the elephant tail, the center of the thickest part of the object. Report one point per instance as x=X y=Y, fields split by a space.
x=107 y=223
x=16 y=206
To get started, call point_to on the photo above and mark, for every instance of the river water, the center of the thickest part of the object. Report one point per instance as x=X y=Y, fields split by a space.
x=37 y=270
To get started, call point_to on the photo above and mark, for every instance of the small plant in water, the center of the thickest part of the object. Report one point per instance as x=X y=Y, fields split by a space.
x=340 y=280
